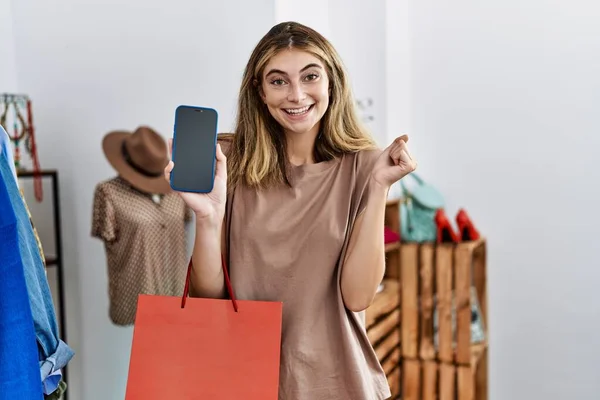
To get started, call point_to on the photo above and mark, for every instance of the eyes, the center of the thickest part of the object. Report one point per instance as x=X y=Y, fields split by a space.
x=310 y=77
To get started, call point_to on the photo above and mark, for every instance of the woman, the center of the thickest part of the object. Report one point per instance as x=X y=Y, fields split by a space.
x=298 y=208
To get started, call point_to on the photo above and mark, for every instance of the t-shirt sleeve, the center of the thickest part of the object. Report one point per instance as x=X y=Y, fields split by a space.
x=366 y=160
x=104 y=222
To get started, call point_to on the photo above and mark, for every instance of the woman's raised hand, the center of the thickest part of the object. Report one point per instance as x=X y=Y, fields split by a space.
x=206 y=206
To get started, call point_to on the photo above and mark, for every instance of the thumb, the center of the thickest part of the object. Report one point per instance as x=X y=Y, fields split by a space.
x=221 y=168
x=170 y=142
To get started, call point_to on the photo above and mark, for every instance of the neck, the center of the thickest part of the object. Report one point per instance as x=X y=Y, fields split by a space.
x=300 y=146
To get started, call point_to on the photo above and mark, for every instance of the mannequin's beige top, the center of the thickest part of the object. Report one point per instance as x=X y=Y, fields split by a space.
x=145 y=244
x=285 y=244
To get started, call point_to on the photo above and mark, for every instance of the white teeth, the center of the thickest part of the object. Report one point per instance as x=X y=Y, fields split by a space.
x=297 y=111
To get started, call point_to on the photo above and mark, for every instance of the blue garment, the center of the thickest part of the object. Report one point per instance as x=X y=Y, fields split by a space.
x=5 y=150
x=52 y=381
x=53 y=353
x=20 y=372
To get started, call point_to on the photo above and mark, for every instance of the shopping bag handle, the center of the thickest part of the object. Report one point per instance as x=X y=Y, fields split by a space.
x=186 y=289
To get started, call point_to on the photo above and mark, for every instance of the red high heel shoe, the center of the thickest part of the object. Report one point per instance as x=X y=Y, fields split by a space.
x=466 y=229
x=445 y=233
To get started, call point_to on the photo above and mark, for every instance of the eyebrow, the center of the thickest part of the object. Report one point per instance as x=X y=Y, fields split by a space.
x=278 y=71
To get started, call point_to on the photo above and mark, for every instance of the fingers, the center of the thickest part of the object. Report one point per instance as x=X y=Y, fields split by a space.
x=220 y=154
x=400 y=154
x=170 y=142
x=398 y=149
x=396 y=155
x=403 y=138
x=399 y=141
x=408 y=159
x=168 y=170
x=221 y=168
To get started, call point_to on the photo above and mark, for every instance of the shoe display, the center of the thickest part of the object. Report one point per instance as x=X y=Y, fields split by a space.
x=445 y=232
x=389 y=236
x=466 y=229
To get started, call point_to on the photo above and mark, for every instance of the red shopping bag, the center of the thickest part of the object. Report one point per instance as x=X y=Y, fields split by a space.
x=210 y=349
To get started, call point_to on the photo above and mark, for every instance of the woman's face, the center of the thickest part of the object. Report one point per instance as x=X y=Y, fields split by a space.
x=295 y=88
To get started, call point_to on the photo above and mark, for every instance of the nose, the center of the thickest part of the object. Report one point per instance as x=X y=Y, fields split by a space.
x=296 y=93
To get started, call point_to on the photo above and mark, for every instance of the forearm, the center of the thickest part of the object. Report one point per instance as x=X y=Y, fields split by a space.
x=206 y=278
x=364 y=267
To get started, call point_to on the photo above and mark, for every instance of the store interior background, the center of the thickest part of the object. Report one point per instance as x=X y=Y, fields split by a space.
x=501 y=101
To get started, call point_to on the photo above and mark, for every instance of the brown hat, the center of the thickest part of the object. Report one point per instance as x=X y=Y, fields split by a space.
x=139 y=157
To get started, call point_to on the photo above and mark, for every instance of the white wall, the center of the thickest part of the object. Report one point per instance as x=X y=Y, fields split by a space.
x=8 y=75
x=303 y=11
x=95 y=66
x=397 y=67
x=507 y=96
x=358 y=34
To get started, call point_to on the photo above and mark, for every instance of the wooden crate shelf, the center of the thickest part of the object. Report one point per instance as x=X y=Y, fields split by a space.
x=443 y=280
x=386 y=302
x=441 y=276
x=392 y=246
x=382 y=318
x=433 y=380
x=392 y=250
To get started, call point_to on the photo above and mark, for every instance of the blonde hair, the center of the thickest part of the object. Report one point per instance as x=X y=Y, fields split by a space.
x=257 y=156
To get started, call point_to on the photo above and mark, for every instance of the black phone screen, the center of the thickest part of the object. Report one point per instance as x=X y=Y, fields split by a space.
x=194 y=149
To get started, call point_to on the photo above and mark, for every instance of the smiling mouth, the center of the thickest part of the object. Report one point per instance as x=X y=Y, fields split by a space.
x=298 y=111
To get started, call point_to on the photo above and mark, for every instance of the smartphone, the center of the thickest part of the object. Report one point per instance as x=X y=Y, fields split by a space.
x=194 y=149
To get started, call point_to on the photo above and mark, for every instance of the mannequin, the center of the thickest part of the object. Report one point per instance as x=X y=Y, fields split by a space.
x=141 y=222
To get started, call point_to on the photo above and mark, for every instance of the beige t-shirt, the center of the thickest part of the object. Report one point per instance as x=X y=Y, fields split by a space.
x=287 y=244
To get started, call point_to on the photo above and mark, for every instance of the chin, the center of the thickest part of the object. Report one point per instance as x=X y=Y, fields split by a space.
x=300 y=130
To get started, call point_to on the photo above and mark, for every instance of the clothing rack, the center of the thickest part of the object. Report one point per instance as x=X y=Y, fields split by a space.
x=55 y=260
x=12 y=97
x=40 y=347
x=23 y=132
